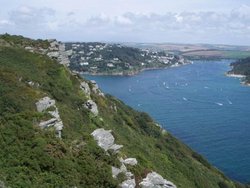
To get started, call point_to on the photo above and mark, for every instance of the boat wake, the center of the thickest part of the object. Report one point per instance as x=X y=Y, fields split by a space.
x=218 y=103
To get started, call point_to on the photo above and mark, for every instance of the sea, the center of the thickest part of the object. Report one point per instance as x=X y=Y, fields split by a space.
x=199 y=105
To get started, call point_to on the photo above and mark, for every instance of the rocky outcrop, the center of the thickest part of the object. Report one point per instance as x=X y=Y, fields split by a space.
x=129 y=161
x=92 y=106
x=130 y=183
x=156 y=180
x=44 y=104
x=95 y=88
x=115 y=171
x=57 y=51
x=56 y=122
x=84 y=86
x=106 y=140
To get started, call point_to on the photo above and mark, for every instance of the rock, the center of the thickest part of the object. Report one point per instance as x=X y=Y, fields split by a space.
x=115 y=171
x=130 y=161
x=129 y=175
x=53 y=54
x=123 y=168
x=91 y=105
x=48 y=123
x=130 y=183
x=105 y=140
x=55 y=121
x=116 y=147
x=29 y=48
x=55 y=113
x=156 y=180
x=85 y=88
x=95 y=88
x=44 y=104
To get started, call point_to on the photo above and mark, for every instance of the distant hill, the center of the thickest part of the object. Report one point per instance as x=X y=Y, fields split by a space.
x=198 y=51
x=115 y=59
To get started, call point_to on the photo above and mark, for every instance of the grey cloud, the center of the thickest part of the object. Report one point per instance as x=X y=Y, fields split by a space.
x=30 y=16
x=206 y=26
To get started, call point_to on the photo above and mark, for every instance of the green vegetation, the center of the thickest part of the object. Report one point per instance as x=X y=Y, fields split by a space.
x=114 y=59
x=216 y=54
x=242 y=67
x=236 y=54
x=31 y=157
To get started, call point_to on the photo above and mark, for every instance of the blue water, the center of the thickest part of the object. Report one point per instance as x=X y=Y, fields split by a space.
x=199 y=105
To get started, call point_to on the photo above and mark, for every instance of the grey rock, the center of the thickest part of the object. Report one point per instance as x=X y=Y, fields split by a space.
x=130 y=161
x=155 y=180
x=105 y=140
x=29 y=48
x=53 y=54
x=115 y=171
x=48 y=123
x=85 y=88
x=130 y=183
x=95 y=88
x=116 y=147
x=123 y=168
x=129 y=175
x=44 y=104
x=55 y=121
x=92 y=106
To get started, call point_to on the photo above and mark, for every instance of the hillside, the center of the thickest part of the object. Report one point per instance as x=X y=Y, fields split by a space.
x=198 y=51
x=54 y=131
x=241 y=68
x=115 y=59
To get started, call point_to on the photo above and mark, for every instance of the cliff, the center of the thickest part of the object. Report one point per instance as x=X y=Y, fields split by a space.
x=58 y=130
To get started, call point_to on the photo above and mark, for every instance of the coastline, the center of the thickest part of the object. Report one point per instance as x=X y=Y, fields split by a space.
x=235 y=75
x=132 y=73
x=240 y=76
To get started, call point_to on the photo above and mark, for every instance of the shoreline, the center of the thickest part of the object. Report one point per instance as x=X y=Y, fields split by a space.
x=239 y=76
x=132 y=73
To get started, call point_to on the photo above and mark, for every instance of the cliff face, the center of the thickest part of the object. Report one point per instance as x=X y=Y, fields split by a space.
x=57 y=130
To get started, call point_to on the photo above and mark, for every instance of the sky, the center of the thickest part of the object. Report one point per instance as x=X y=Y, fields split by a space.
x=149 y=21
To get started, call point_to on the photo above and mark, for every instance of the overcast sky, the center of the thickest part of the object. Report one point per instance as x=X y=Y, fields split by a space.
x=180 y=21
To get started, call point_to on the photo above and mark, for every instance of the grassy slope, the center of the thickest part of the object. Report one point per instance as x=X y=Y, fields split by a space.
x=30 y=157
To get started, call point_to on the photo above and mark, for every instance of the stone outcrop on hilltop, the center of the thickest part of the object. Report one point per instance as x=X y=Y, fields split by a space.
x=57 y=51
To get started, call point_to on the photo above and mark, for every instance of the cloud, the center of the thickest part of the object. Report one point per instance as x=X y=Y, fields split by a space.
x=26 y=16
x=5 y=23
x=232 y=26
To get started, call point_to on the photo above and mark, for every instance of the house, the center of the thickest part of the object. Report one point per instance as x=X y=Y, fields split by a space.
x=110 y=65
x=84 y=63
